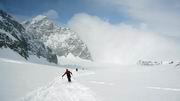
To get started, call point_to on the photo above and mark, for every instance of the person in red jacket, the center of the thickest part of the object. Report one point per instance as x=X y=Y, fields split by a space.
x=68 y=74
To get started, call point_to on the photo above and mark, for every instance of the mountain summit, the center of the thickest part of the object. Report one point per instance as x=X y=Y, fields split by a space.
x=14 y=36
x=61 y=40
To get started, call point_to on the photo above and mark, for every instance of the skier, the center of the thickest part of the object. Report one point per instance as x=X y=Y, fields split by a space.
x=76 y=69
x=68 y=74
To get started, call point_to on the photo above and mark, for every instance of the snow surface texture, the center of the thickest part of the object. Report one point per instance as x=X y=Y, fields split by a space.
x=59 y=90
x=20 y=77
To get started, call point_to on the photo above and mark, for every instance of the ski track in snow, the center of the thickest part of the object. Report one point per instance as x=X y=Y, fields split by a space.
x=165 y=89
x=61 y=90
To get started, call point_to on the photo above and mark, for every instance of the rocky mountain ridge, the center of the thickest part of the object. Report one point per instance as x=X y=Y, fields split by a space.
x=15 y=36
x=61 y=40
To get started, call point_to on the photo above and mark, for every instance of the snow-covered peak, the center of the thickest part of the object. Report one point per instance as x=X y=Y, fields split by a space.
x=38 y=18
x=61 y=40
x=14 y=36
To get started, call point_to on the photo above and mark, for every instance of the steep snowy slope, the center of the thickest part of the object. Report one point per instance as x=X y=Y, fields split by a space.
x=61 y=40
x=14 y=36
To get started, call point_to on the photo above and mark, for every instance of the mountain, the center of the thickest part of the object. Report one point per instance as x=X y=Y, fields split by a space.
x=11 y=34
x=15 y=36
x=61 y=40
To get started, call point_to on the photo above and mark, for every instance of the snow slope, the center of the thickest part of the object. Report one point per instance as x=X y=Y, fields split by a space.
x=23 y=81
x=135 y=83
x=59 y=90
x=19 y=77
x=6 y=54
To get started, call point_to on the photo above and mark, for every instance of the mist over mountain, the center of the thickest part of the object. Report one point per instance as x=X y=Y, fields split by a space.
x=123 y=43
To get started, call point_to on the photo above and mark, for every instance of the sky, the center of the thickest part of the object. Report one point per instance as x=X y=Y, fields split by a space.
x=119 y=31
x=63 y=9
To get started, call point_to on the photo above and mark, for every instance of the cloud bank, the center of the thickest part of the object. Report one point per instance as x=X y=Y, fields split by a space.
x=122 y=43
x=160 y=15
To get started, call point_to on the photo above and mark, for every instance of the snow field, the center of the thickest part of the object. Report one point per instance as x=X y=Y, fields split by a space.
x=25 y=81
x=60 y=90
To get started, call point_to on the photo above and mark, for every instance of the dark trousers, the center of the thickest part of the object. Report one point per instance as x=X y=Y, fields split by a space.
x=69 y=79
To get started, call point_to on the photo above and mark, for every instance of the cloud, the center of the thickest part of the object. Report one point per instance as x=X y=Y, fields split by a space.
x=160 y=15
x=122 y=43
x=52 y=14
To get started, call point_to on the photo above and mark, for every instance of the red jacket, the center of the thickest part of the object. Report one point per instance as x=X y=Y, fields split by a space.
x=68 y=73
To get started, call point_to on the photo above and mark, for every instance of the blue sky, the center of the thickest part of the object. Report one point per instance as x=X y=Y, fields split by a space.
x=64 y=8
